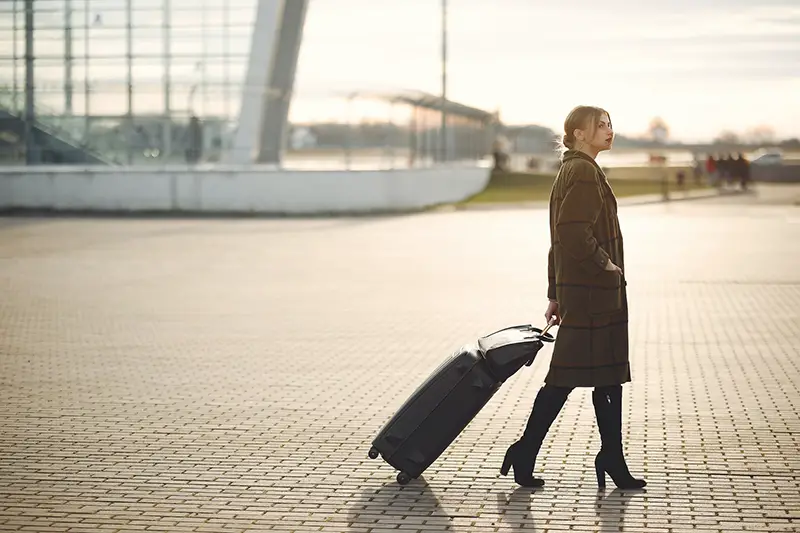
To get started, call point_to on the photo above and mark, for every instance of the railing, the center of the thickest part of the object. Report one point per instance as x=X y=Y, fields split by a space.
x=58 y=125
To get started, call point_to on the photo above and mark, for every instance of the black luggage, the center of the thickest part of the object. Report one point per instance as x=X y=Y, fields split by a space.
x=439 y=410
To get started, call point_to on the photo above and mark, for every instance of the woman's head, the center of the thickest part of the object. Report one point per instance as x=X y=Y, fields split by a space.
x=588 y=128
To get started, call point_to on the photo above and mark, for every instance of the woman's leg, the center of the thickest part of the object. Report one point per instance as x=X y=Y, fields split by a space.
x=522 y=454
x=549 y=402
x=611 y=458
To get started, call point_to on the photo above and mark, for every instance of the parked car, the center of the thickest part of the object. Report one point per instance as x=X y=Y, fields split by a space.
x=768 y=158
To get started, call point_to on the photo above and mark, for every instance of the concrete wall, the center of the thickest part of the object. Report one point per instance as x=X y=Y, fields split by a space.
x=775 y=173
x=250 y=190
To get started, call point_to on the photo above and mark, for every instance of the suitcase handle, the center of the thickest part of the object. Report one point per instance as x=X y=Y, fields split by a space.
x=526 y=327
x=549 y=325
x=539 y=336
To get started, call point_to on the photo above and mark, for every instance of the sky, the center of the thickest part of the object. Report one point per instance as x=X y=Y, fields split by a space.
x=704 y=66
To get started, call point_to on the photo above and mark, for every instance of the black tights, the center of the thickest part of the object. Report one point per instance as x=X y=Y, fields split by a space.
x=549 y=402
x=560 y=394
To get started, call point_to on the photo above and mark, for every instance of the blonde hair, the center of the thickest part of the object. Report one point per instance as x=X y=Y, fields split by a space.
x=580 y=118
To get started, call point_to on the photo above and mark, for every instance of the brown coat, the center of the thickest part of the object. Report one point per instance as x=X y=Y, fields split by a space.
x=591 y=347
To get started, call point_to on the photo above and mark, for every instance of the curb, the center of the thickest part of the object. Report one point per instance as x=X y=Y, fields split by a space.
x=644 y=199
x=676 y=197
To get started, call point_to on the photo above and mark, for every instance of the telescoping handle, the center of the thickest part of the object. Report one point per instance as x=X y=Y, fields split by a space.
x=549 y=325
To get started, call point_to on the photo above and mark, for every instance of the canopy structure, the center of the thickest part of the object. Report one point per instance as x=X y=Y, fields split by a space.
x=432 y=102
x=468 y=134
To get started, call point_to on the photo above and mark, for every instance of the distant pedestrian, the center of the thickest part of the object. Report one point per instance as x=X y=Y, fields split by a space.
x=743 y=171
x=725 y=164
x=194 y=150
x=712 y=170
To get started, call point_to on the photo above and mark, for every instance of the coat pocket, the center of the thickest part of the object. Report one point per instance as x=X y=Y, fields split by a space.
x=606 y=298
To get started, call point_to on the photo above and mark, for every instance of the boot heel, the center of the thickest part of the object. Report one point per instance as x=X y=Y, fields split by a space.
x=506 y=463
x=601 y=475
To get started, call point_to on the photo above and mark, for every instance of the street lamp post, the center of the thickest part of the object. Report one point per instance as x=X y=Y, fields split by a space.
x=31 y=146
x=68 y=57
x=443 y=127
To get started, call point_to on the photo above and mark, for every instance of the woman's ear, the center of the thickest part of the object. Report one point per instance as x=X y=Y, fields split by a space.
x=578 y=134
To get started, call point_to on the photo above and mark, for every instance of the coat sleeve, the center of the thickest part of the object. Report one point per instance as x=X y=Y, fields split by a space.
x=551 y=275
x=580 y=207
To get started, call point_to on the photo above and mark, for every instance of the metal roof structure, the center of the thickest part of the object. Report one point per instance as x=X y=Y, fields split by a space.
x=432 y=102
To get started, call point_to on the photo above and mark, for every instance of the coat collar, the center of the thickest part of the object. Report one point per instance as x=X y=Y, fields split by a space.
x=577 y=154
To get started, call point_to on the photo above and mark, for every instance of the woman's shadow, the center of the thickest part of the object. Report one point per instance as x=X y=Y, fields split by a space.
x=610 y=507
x=390 y=504
x=515 y=510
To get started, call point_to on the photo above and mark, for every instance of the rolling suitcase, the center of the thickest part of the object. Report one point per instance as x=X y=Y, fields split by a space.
x=442 y=406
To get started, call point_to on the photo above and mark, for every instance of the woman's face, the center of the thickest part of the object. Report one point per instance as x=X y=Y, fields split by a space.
x=602 y=137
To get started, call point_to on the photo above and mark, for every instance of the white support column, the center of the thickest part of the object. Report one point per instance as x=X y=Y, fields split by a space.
x=262 y=49
x=281 y=83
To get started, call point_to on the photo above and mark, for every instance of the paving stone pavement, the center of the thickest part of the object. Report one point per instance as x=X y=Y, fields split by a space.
x=229 y=375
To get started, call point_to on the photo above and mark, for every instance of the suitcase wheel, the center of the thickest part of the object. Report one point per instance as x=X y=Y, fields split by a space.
x=403 y=478
x=373 y=453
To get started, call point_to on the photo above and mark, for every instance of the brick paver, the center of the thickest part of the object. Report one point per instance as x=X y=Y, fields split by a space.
x=229 y=375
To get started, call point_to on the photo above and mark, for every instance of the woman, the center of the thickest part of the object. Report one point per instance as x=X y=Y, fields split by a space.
x=588 y=299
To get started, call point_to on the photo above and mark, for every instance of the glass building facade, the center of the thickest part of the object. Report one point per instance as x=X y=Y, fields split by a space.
x=122 y=78
x=144 y=82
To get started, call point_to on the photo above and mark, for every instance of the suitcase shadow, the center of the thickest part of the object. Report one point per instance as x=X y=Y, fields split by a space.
x=394 y=503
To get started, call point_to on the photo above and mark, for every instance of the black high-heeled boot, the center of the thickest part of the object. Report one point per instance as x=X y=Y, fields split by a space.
x=521 y=456
x=611 y=459
x=518 y=458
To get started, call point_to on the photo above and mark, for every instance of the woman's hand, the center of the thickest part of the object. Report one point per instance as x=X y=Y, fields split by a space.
x=551 y=314
x=611 y=267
